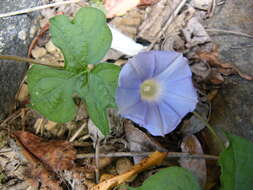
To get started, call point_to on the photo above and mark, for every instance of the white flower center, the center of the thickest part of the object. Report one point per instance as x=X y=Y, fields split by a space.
x=150 y=90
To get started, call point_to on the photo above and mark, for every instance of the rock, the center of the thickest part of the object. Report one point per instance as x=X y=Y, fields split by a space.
x=14 y=40
x=232 y=109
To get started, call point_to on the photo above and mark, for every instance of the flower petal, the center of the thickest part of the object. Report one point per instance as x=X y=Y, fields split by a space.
x=177 y=70
x=128 y=77
x=125 y=98
x=160 y=119
x=163 y=59
x=153 y=120
x=143 y=64
x=181 y=90
x=170 y=118
x=136 y=112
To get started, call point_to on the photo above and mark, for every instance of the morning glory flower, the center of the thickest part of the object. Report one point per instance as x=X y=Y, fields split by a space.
x=155 y=90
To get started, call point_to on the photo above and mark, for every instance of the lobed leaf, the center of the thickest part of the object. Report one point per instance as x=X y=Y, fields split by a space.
x=99 y=93
x=84 y=40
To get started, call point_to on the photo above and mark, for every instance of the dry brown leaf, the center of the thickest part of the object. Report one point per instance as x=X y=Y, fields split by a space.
x=38 y=173
x=213 y=59
x=195 y=33
x=154 y=159
x=128 y=24
x=191 y=144
x=140 y=142
x=119 y=7
x=156 y=17
x=56 y=154
x=215 y=77
x=194 y=125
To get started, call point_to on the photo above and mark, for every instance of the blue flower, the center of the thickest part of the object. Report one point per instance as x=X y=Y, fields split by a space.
x=155 y=90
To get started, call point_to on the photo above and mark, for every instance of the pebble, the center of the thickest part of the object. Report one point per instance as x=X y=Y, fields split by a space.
x=123 y=165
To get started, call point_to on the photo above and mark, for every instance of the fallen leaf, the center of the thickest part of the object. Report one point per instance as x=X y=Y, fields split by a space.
x=215 y=77
x=119 y=7
x=213 y=59
x=154 y=159
x=195 y=33
x=156 y=17
x=194 y=125
x=201 y=70
x=140 y=142
x=38 y=173
x=56 y=154
x=191 y=144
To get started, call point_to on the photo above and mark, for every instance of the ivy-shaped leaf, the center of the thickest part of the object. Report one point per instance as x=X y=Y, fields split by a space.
x=236 y=164
x=84 y=40
x=99 y=93
x=172 y=178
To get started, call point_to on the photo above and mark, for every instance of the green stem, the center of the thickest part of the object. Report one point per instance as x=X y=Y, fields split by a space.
x=210 y=128
x=27 y=60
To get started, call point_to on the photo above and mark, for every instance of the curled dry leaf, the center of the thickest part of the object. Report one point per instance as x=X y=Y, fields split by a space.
x=138 y=141
x=191 y=144
x=154 y=159
x=56 y=154
x=213 y=59
x=195 y=33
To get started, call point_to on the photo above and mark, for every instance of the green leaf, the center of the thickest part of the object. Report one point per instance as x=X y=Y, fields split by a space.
x=99 y=93
x=51 y=92
x=236 y=163
x=172 y=178
x=84 y=40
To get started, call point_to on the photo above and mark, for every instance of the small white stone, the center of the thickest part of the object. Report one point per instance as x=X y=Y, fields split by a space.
x=33 y=30
x=22 y=35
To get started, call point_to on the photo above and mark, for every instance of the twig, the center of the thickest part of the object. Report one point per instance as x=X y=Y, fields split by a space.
x=141 y=154
x=211 y=10
x=12 y=117
x=23 y=11
x=172 y=16
x=77 y=133
x=27 y=60
x=229 y=32
x=97 y=155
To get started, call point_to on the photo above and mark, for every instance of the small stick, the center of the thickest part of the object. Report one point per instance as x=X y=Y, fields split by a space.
x=229 y=32
x=27 y=60
x=77 y=133
x=97 y=155
x=133 y=154
x=169 y=21
x=28 y=10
